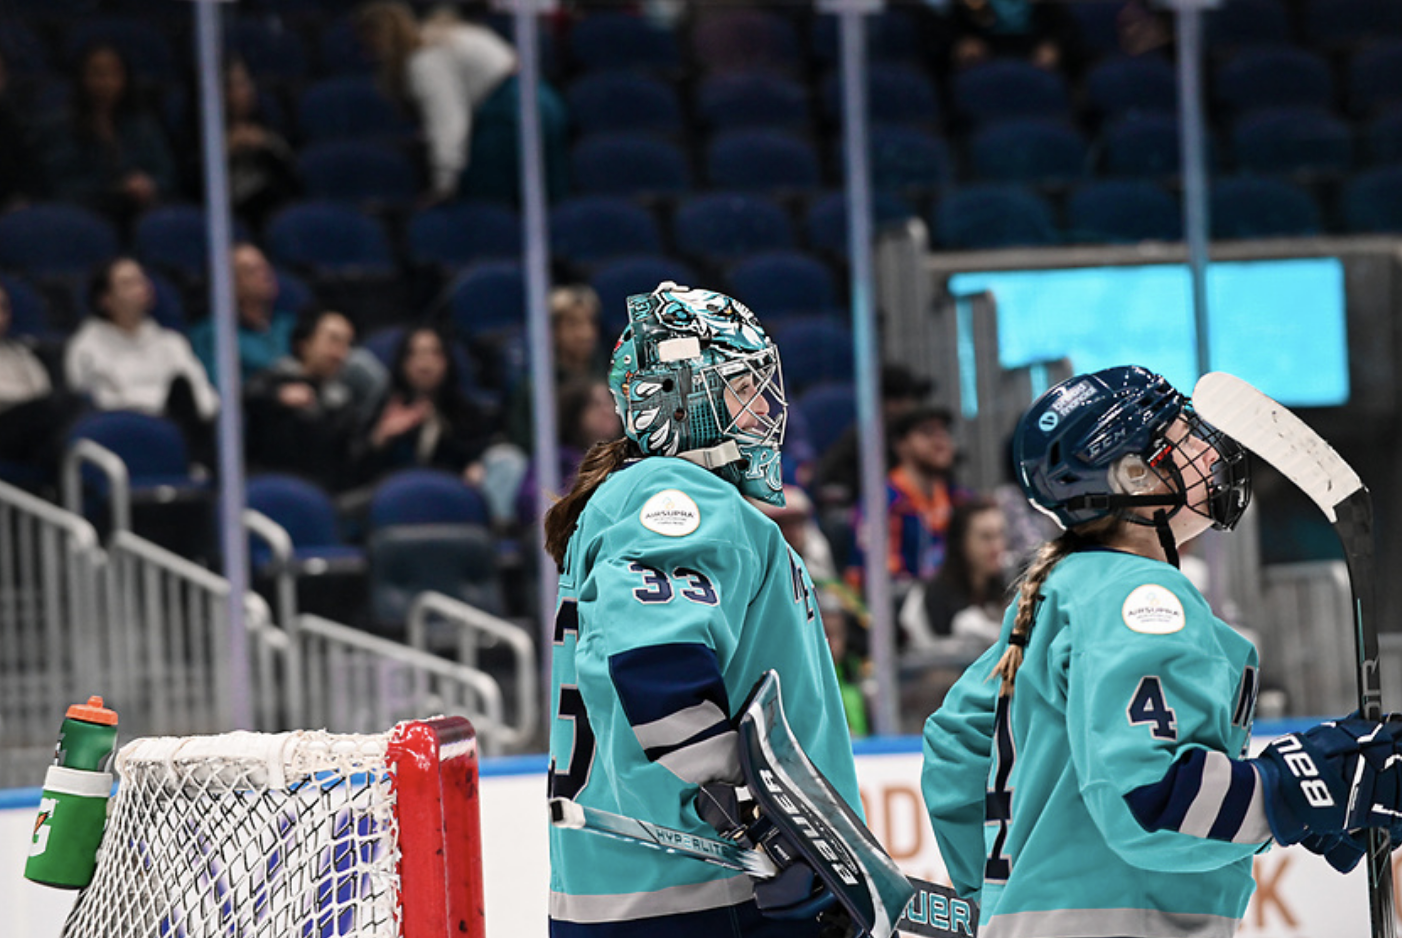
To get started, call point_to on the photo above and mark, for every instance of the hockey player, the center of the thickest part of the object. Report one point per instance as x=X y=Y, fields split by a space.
x=676 y=595
x=1098 y=784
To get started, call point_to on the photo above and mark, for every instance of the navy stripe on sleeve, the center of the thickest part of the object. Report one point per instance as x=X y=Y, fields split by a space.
x=1204 y=794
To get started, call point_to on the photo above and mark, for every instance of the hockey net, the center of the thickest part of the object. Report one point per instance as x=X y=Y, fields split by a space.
x=292 y=835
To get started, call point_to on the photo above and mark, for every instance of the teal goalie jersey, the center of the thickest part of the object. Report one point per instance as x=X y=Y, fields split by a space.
x=676 y=596
x=1133 y=703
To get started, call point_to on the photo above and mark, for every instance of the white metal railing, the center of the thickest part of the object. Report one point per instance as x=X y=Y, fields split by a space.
x=351 y=682
x=89 y=452
x=1306 y=637
x=471 y=630
x=49 y=563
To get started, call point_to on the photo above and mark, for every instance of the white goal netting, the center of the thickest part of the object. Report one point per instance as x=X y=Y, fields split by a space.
x=248 y=835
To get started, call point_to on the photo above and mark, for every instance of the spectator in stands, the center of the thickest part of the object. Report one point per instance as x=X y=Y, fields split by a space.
x=585 y=414
x=108 y=153
x=264 y=326
x=965 y=599
x=425 y=419
x=799 y=524
x=921 y=497
x=579 y=355
x=262 y=165
x=1039 y=32
x=122 y=359
x=837 y=479
x=460 y=78
x=34 y=414
x=301 y=414
x=18 y=174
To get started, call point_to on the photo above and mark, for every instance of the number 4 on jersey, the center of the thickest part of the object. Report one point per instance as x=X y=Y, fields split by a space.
x=1149 y=706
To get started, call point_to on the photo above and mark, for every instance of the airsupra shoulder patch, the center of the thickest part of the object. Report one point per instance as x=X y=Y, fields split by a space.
x=1153 y=610
x=670 y=512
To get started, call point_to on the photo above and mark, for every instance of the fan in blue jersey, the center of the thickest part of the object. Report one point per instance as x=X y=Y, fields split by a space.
x=1111 y=795
x=676 y=595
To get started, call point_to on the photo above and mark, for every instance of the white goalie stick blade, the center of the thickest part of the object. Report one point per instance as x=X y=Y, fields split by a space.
x=1282 y=439
x=1268 y=429
x=934 y=911
x=573 y=815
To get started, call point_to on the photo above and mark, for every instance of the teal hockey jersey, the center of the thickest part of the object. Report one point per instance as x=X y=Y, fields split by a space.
x=1105 y=798
x=676 y=596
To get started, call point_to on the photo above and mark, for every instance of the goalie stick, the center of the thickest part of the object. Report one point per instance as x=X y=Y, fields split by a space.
x=1282 y=439
x=934 y=910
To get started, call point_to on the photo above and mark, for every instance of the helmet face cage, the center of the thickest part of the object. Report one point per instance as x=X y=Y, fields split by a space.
x=694 y=369
x=1224 y=476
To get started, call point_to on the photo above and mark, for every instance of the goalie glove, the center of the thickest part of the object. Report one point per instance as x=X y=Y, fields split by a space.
x=1342 y=851
x=1331 y=779
x=796 y=892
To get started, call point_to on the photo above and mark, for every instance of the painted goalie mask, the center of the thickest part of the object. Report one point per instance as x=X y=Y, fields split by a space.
x=694 y=375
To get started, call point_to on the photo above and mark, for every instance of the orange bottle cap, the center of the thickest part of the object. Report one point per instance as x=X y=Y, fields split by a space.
x=93 y=712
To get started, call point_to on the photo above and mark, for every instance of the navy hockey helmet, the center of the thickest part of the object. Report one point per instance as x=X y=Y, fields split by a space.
x=694 y=375
x=1100 y=443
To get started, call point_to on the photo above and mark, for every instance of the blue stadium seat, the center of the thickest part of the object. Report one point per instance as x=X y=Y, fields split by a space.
x=1291 y=140
x=815 y=350
x=360 y=172
x=896 y=94
x=628 y=164
x=169 y=307
x=147 y=50
x=1123 y=211
x=908 y=159
x=350 y=107
x=1003 y=88
x=614 y=40
x=1273 y=77
x=735 y=39
x=825 y=221
x=761 y=161
x=892 y=35
x=1375 y=77
x=593 y=228
x=306 y=512
x=1384 y=138
x=1372 y=200
x=753 y=99
x=174 y=238
x=24 y=52
x=781 y=284
x=828 y=410
x=29 y=311
x=293 y=293
x=487 y=298
x=340 y=50
x=1097 y=25
x=1334 y=23
x=1243 y=23
x=330 y=238
x=1028 y=149
x=426 y=496
x=722 y=227
x=458 y=233
x=994 y=215
x=619 y=102
x=1142 y=145
x=1256 y=207
x=1126 y=84
x=55 y=239
x=271 y=51
x=618 y=279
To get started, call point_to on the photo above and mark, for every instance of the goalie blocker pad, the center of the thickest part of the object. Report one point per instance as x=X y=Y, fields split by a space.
x=795 y=797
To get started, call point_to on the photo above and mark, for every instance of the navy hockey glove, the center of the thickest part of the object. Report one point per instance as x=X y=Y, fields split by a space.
x=1333 y=778
x=1343 y=851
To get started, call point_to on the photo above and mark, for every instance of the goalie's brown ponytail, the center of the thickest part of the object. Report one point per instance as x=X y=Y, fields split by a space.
x=601 y=460
x=1029 y=590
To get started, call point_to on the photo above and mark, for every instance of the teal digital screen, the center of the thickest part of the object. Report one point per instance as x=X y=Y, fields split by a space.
x=1279 y=324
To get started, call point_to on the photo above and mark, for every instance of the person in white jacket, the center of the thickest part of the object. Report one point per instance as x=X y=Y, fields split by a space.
x=120 y=358
x=460 y=79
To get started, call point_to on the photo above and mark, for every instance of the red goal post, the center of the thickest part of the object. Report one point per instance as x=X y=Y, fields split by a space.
x=309 y=833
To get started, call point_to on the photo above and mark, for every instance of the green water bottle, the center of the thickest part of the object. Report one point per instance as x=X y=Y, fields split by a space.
x=73 y=807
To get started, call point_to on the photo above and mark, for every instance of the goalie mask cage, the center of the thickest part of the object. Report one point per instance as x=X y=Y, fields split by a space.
x=292 y=835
